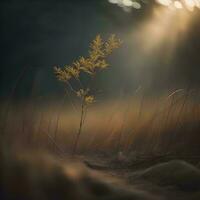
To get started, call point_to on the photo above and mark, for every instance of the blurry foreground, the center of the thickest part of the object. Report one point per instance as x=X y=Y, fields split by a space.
x=144 y=125
x=135 y=148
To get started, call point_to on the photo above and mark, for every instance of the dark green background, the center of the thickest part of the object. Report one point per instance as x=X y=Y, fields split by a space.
x=40 y=34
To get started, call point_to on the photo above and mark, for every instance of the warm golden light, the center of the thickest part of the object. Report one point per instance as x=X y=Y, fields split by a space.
x=127 y=3
x=136 y=5
x=178 y=5
x=197 y=3
x=189 y=5
x=165 y=2
x=160 y=34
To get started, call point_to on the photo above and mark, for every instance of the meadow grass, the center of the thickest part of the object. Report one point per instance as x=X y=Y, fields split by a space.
x=162 y=127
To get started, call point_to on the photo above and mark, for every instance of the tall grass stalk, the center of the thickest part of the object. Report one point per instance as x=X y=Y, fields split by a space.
x=180 y=113
x=96 y=61
x=80 y=128
x=67 y=94
x=57 y=120
x=39 y=128
x=7 y=107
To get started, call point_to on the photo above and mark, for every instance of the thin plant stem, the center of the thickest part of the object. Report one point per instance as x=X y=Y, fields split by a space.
x=40 y=126
x=183 y=106
x=120 y=136
x=55 y=144
x=49 y=125
x=71 y=101
x=58 y=119
x=141 y=107
x=20 y=77
x=169 y=111
x=85 y=114
x=59 y=113
x=122 y=127
x=48 y=129
x=80 y=128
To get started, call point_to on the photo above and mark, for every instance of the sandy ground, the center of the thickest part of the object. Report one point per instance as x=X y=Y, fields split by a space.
x=175 y=179
x=42 y=176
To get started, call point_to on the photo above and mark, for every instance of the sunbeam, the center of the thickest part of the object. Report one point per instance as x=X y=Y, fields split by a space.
x=165 y=27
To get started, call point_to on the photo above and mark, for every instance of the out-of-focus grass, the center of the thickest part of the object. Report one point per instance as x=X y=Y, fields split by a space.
x=157 y=125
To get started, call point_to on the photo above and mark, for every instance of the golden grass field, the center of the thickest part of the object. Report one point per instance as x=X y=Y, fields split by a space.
x=130 y=148
x=165 y=124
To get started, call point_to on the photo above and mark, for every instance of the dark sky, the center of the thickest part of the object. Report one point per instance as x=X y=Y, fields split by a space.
x=40 y=34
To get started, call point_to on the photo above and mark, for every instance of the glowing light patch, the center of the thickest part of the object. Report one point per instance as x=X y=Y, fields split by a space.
x=178 y=5
x=197 y=3
x=189 y=5
x=165 y=2
x=127 y=3
x=136 y=5
x=113 y=1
